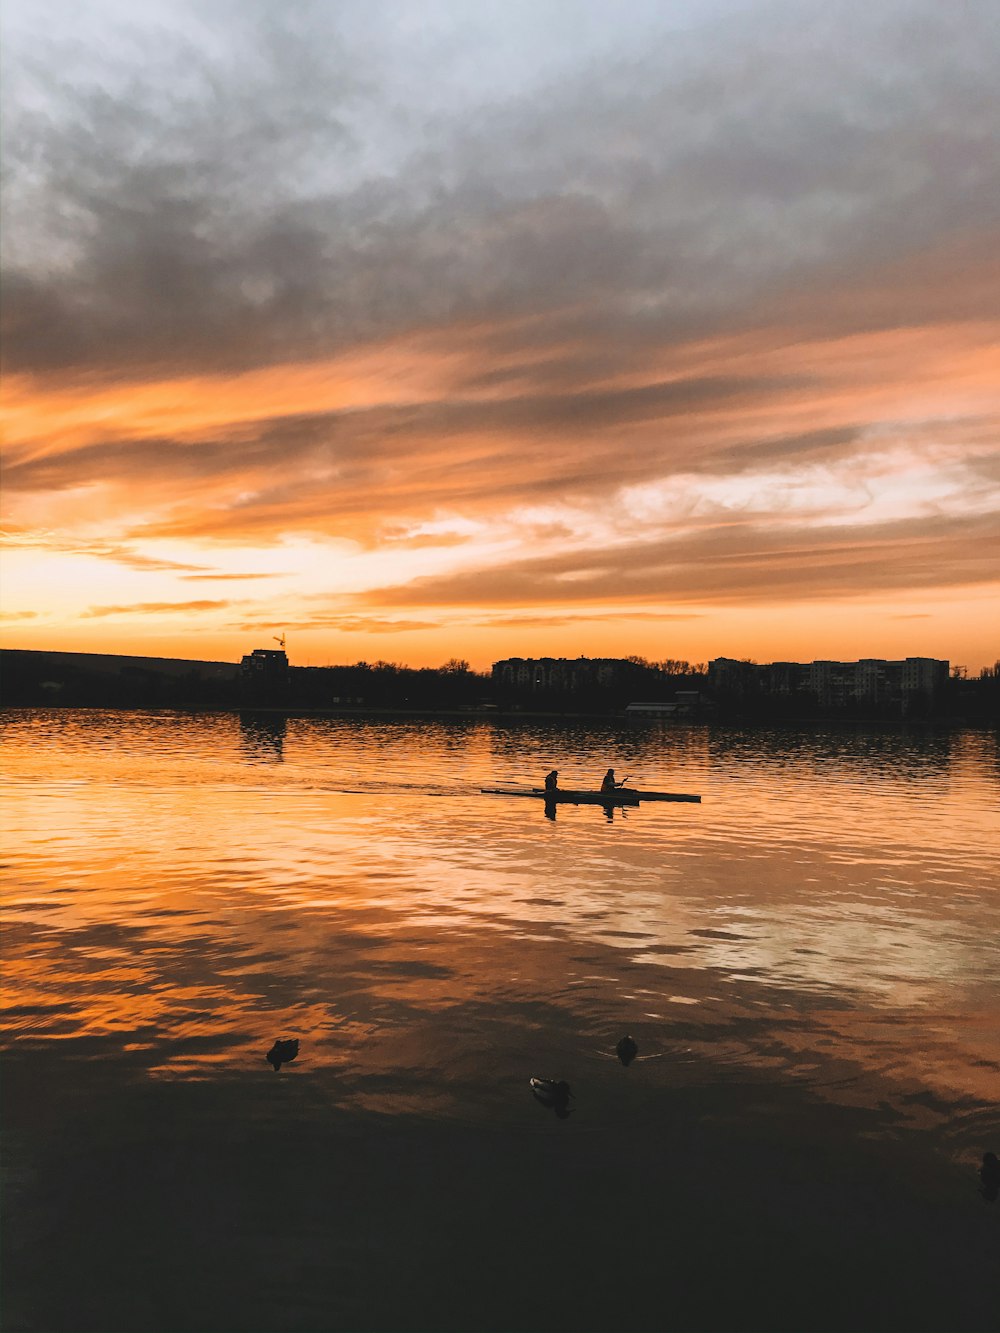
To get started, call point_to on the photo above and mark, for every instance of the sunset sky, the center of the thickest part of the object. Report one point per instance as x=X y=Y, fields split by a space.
x=432 y=328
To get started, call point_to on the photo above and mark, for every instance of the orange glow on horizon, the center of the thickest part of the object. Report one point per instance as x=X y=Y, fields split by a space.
x=843 y=631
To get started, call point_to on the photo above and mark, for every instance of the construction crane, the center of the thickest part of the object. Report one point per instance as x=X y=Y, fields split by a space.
x=280 y=642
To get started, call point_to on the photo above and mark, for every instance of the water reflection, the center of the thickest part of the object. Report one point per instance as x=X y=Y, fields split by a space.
x=820 y=912
x=607 y=809
x=263 y=737
x=847 y=754
x=807 y=961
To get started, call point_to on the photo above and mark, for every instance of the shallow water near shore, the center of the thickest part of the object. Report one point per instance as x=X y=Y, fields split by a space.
x=808 y=961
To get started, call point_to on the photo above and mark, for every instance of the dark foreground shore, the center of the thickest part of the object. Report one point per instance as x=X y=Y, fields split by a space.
x=723 y=1204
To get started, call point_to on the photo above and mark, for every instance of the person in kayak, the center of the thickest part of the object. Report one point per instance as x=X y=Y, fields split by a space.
x=551 y=782
x=609 y=783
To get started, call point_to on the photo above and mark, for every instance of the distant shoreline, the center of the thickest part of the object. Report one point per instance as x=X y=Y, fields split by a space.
x=639 y=694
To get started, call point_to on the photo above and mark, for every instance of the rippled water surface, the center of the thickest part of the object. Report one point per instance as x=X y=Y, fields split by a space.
x=808 y=956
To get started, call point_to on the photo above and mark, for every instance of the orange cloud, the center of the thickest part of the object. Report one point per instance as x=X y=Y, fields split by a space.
x=151 y=609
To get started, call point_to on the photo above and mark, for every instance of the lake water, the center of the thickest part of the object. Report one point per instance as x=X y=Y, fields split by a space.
x=808 y=961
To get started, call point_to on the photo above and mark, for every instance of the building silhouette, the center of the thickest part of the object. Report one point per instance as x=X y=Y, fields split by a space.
x=912 y=682
x=567 y=674
x=264 y=677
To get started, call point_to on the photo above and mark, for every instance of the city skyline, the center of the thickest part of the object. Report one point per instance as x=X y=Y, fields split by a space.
x=669 y=666
x=565 y=329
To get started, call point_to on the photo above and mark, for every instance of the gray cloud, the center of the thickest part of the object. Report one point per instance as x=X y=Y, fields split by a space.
x=260 y=194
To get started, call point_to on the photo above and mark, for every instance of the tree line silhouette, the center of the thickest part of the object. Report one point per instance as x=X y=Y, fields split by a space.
x=32 y=680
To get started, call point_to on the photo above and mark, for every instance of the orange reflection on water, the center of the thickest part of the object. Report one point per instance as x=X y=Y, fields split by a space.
x=830 y=906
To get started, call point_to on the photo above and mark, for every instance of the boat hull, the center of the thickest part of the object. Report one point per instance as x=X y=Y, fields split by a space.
x=567 y=796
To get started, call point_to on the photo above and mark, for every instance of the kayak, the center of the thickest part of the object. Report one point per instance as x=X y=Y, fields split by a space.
x=667 y=796
x=620 y=796
x=561 y=794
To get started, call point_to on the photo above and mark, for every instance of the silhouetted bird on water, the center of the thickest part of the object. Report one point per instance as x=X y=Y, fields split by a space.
x=989 y=1174
x=552 y=1094
x=627 y=1050
x=283 y=1053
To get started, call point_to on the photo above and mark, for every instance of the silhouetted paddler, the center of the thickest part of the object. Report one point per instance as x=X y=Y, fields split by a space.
x=283 y=1052
x=627 y=1050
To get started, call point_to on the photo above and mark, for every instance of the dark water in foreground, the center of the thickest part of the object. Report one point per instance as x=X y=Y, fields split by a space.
x=808 y=961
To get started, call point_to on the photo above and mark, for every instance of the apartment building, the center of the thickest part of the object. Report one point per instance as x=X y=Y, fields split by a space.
x=558 y=673
x=872 y=680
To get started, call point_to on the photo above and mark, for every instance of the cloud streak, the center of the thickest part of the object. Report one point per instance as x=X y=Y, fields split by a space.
x=731 y=563
x=152 y=609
